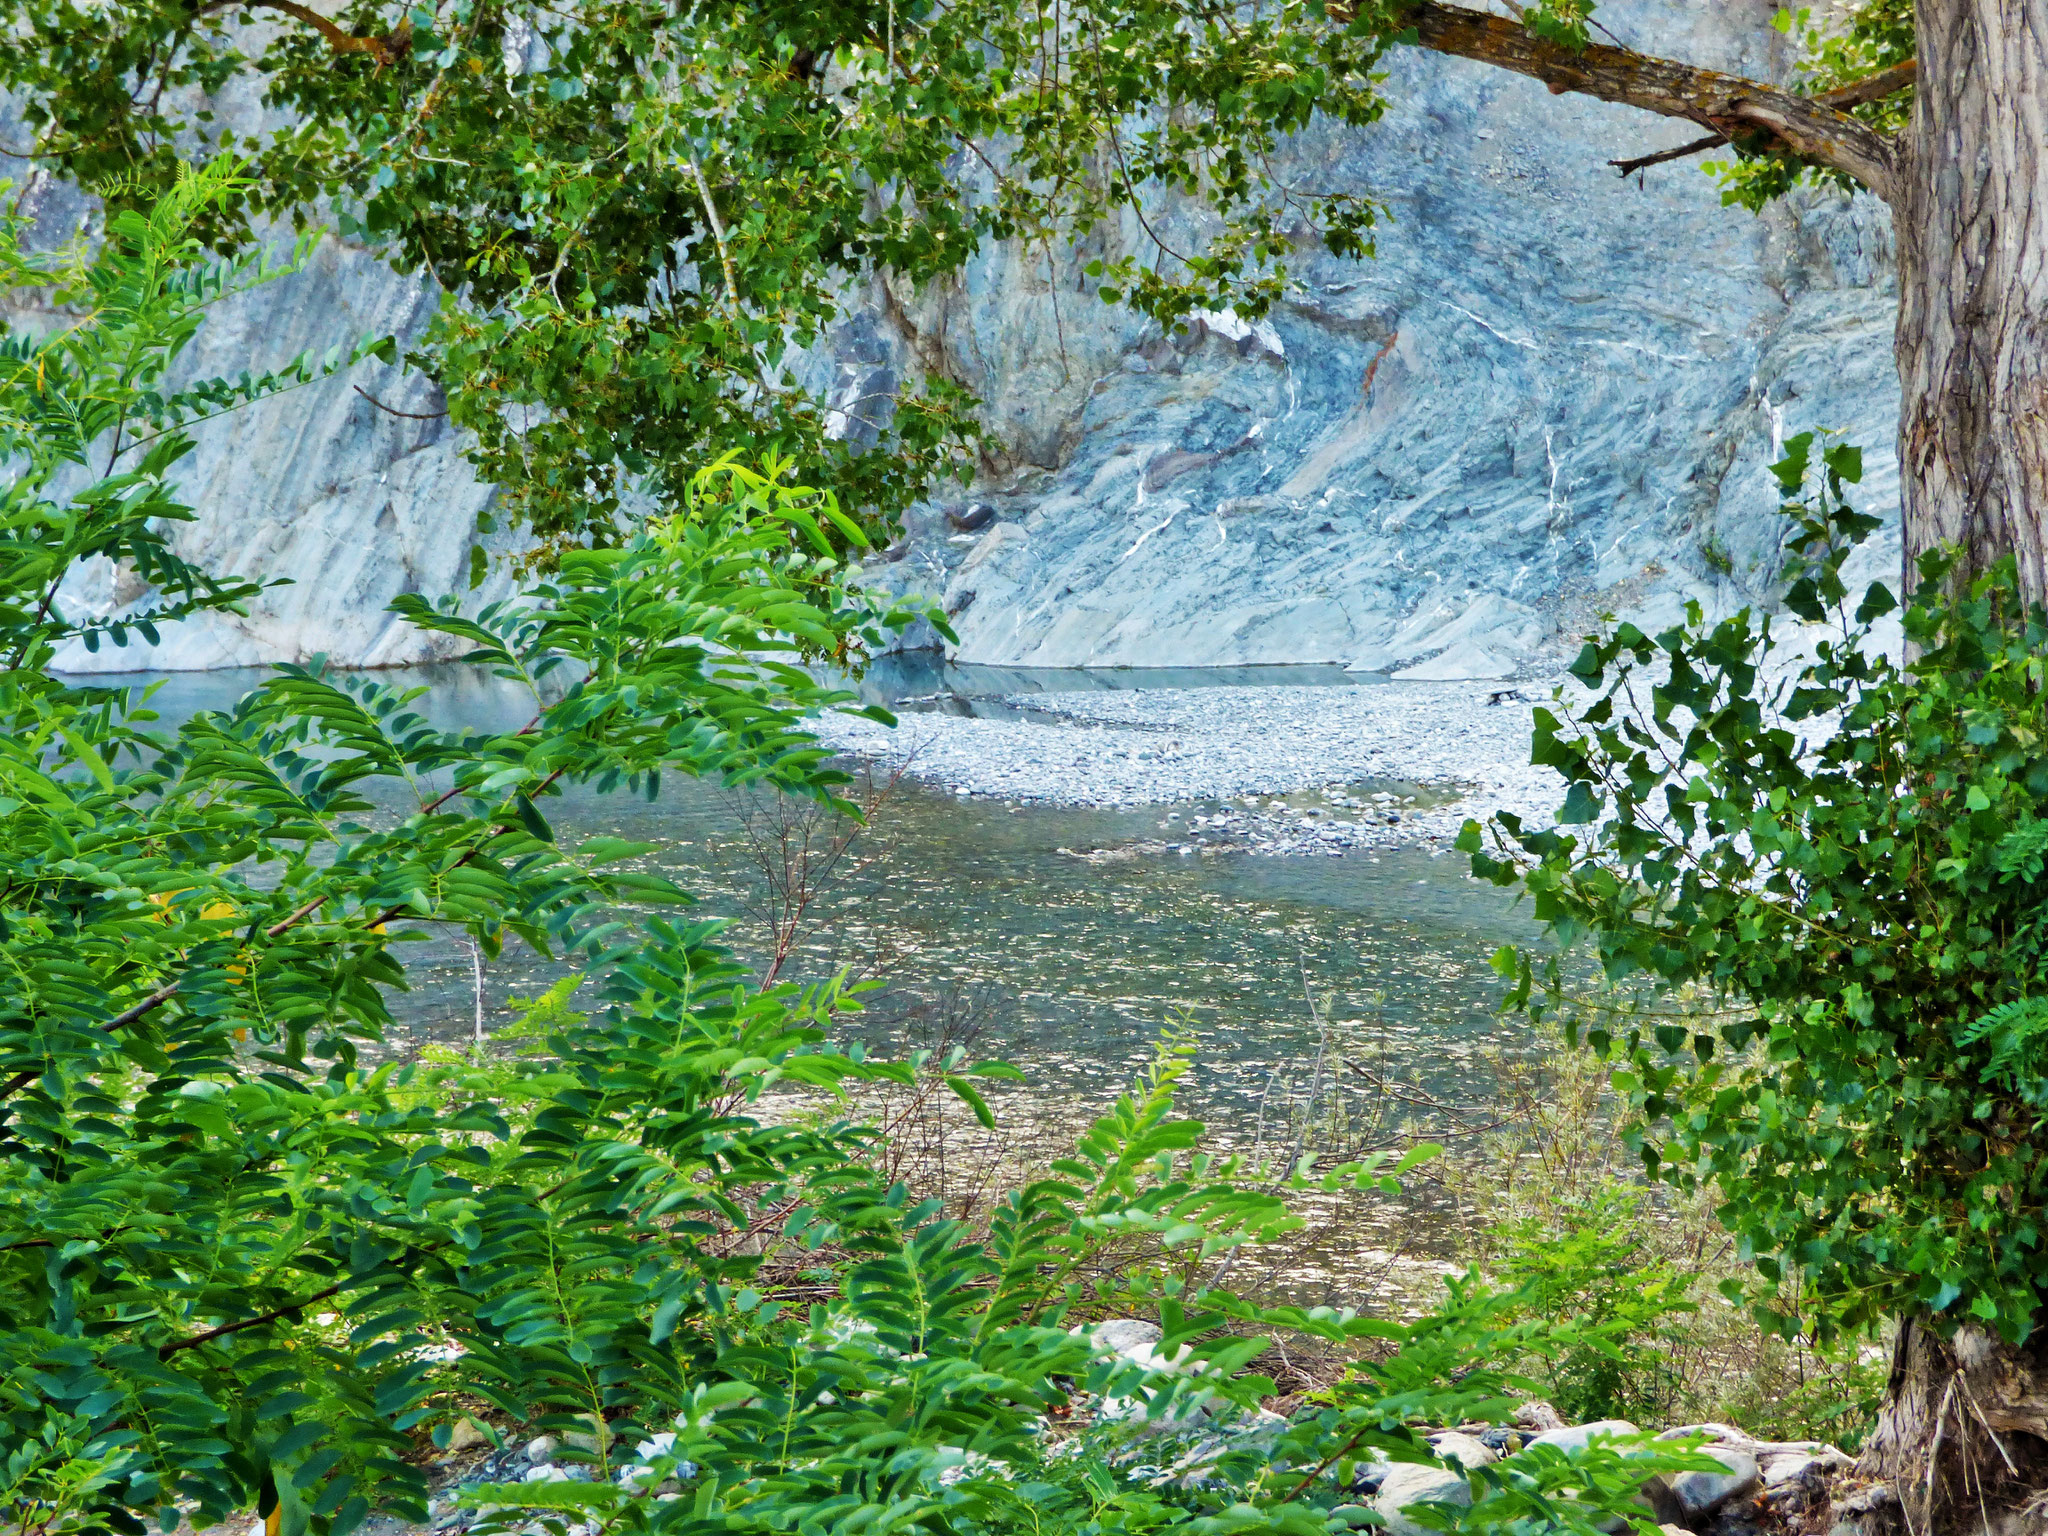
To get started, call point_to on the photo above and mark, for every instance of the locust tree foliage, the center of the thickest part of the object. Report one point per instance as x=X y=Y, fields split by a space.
x=256 y=1263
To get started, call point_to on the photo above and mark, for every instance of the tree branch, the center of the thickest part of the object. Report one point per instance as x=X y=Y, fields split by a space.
x=1643 y=162
x=197 y=1339
x=1809 y=127
x=386 y=48
x=1873 y=87
x=393 y=411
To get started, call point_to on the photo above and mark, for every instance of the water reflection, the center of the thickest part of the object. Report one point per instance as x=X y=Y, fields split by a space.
x=980 y=914
x=922 y=682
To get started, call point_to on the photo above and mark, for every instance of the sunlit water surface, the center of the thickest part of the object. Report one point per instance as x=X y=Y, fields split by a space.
x=1053 y=938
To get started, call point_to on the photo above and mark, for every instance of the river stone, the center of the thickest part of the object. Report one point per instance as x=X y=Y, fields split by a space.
x=1127 y=1335
x=1779 y=1470
x=1576 y=1437
x=1660 y=1499
x=1261 y=1427
x=466 y=1433
x=1536 y=1414
x=1701 y=1493
x=1789 y=1469
x=1463 y=1449
x=1409 y=1484
x=1707 y=1431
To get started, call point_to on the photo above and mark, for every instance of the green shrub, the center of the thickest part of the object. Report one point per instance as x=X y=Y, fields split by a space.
x=1845 y=852
x=249 y=1260
x=1561 y=1151
x=1591 y=1262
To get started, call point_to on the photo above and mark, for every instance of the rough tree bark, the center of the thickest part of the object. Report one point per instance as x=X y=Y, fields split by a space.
x=1962 y=1444
x=1972 y=221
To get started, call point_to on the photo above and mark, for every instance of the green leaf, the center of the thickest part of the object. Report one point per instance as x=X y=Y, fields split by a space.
x=89 y=756
x=1581 y=805
x=971 y=1097
x=1422 y=1152
x=531 y=819
x=1877 y=602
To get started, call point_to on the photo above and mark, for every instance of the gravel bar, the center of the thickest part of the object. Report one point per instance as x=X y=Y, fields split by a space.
x=1277 y=769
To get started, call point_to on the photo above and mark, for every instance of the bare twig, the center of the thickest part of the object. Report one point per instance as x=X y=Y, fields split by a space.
x=1643 y=162
x=391 y=411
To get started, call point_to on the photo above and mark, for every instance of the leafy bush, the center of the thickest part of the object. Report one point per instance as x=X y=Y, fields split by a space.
x=248 y=1259
x=200 y=1160
x=1560 y=1170
x=1593 y=1266
x=1845 y=851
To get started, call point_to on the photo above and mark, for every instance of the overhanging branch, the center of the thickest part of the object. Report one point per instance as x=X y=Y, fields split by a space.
x=1644 y=162
x=385 y=48
x=1872 y=87
x=1810 y=127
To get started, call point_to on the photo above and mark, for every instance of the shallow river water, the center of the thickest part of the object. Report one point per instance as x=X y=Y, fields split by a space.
x=1066 y=940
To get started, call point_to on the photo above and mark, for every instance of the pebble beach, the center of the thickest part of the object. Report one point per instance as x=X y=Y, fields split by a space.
x=1272 y=769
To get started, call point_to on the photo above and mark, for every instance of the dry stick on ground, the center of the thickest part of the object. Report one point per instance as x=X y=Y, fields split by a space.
x=476 y=967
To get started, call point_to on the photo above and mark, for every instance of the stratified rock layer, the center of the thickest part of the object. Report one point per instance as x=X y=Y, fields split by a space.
x=1552 y=393
x=354 y=489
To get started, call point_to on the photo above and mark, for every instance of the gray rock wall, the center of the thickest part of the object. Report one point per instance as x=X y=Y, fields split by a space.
x=351 y=501
x=1552 y=393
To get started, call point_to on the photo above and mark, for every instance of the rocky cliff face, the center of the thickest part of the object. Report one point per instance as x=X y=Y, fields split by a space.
x=355 y=489
x=1552 y=393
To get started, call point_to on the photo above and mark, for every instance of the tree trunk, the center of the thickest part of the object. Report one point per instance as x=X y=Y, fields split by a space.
x=1962 y=1444
x=1971 y=210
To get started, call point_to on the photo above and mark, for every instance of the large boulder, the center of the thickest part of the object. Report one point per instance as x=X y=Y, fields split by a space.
x=1408 y=1485
x=1699 y=1494
x=1657 y=1496
x=1576 y=1437
x=1126 y=1335
x=1467 y=1451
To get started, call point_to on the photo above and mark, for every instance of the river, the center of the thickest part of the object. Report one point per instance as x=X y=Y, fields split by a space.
x=1067 y=940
